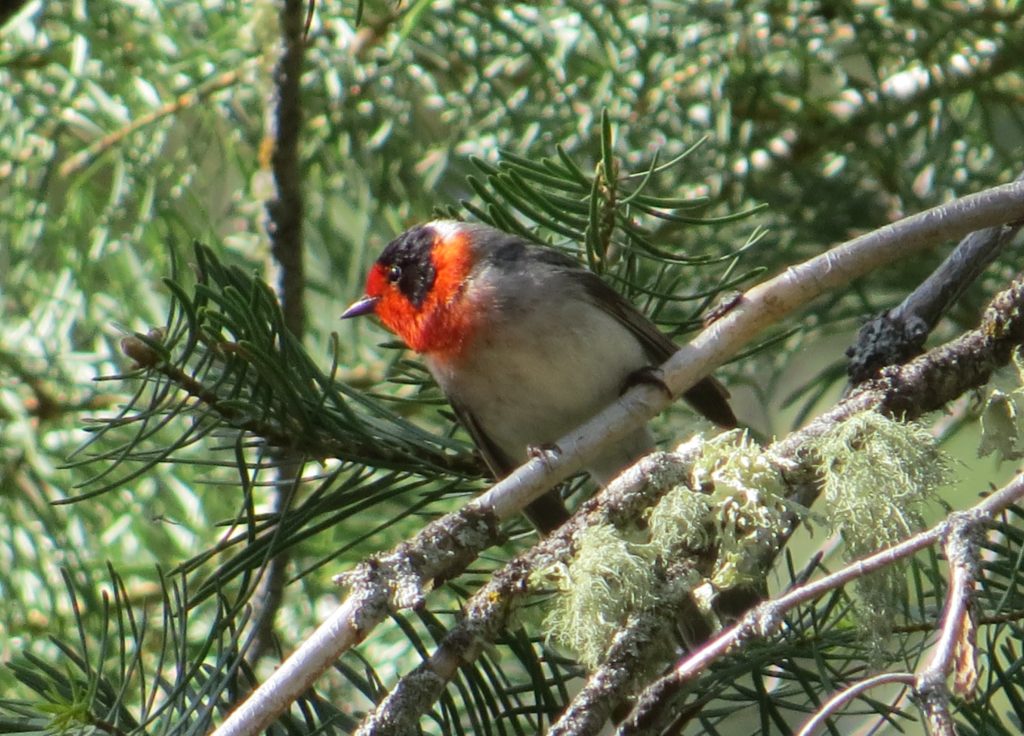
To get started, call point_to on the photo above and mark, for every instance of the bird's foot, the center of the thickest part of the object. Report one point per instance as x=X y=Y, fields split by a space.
x=545 y=452
x=648 y=375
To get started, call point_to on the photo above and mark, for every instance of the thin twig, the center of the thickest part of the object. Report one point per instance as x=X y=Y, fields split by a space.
x=284 y=227
x=954 y=650
x=847 y=694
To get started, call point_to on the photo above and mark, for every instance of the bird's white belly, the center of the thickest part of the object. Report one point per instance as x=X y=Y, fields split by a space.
x=528 y=382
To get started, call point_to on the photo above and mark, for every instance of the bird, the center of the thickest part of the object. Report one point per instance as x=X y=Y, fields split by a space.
x=525 y=343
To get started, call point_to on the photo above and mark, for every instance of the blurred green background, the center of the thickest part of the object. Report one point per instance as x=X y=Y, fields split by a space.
x=129 y=129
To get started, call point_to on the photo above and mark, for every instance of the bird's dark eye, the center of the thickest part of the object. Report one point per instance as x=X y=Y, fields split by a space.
x=394 y=273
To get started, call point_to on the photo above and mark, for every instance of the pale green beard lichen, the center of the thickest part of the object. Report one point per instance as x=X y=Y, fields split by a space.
x=731 y=503
x=748 y=505
x=679 y=520
x=606 y=579
x=878 y=474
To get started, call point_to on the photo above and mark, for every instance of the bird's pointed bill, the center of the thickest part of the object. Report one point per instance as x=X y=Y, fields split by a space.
x=366 y=305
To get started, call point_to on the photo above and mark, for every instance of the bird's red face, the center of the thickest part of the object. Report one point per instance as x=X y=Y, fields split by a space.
x=417 y=286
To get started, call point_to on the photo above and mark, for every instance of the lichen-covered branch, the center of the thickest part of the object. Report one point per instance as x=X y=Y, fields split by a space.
x=766 y=618
x=488 y=611
x=907 y=392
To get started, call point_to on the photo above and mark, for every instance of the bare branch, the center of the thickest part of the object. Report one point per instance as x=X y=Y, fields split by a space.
x=898 y=334
x=954 y=651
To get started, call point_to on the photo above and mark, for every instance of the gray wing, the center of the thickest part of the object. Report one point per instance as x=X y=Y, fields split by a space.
x=709 y=396
x=656 y=344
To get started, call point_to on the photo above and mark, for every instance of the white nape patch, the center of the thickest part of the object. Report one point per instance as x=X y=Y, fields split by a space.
x=445 y=228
